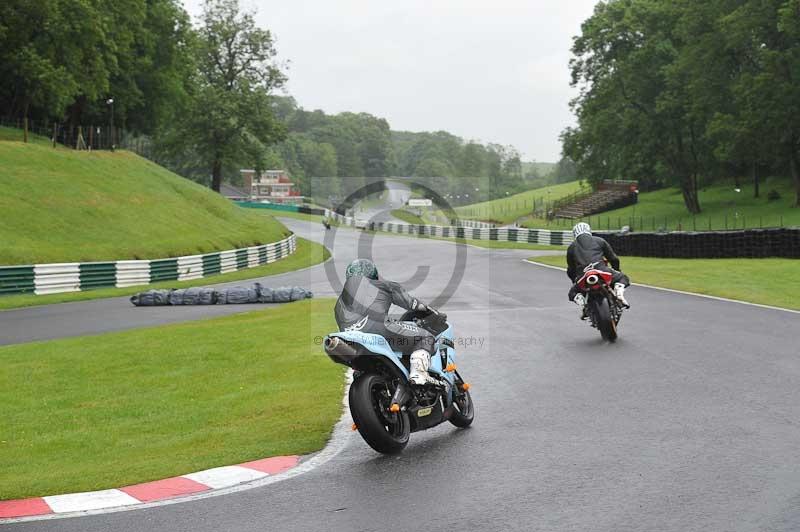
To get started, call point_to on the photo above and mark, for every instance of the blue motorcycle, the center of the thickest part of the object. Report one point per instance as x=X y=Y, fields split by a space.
x=385 y=406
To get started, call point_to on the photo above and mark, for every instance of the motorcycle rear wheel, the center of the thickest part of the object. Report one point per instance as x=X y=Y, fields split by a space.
x=370 y=398
x=604 y=319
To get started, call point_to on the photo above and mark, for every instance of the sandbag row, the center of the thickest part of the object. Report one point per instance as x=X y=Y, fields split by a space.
x=235 y=295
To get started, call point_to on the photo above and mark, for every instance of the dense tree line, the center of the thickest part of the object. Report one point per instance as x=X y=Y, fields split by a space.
x=204 y=97
x=62 y=60
x=681 y=92
x=201 y=94
x=335 y=148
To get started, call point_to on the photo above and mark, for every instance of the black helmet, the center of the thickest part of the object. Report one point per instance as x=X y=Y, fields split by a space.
x=363 y=267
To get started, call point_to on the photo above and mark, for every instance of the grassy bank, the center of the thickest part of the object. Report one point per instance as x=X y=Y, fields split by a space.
x=315 y=218
x=307 y=254
x=408 y=217
x=61 y=205
x=765 y=281
x=723 y=208
x=506 y=210
x=116 y=409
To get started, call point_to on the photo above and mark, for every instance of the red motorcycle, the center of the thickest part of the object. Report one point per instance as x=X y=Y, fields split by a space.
x=602 y=306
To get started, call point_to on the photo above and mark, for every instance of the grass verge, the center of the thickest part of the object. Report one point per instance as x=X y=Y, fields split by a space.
x=315 y=218
x=61 y=205
x=408 y=217
x=723 y=208
x=506 y=210
x=765 y=281
x=115 y=409
x=307 y=254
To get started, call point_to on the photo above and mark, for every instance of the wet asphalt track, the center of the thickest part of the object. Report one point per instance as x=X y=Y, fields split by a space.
x=689 y=422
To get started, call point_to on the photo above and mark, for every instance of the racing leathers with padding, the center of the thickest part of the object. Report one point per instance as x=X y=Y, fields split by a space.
x=364 y=306
x=589 y=249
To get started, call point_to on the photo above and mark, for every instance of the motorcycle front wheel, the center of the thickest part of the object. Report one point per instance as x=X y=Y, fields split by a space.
x=605 y=322
x=370 y=398
x=463 y=411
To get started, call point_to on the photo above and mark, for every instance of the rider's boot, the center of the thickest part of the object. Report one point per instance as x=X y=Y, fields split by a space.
x=580 y=300
x=420 y=362
x=619 y=291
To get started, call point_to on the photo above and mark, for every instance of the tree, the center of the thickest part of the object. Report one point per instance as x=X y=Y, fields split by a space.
x=565 y=171
x=52 y=53
x=633 y=111
x=229 y=117
x=473 y=160
x=674 y=92
x=154 y=66
x=766 y=91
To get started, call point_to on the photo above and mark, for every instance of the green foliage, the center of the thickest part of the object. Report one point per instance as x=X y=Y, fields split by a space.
x=683 y=93
x=228 y=117
x=203 y=94
x=361 y=148
x=62 y=58
x=461 y=171
x=202 y=98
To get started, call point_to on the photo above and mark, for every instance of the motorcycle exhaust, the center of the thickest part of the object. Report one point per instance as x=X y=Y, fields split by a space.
x=339 y=350
x=592 y=279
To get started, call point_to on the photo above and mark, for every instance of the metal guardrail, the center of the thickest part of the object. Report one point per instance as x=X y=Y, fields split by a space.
x=74 y=276
x=505 y=234
x=678 y=244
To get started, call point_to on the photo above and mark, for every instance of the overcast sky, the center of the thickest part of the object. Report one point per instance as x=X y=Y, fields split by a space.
x=489 y=70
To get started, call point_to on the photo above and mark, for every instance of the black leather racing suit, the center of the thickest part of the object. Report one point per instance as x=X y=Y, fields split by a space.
x=364 y=306
x=589 y=249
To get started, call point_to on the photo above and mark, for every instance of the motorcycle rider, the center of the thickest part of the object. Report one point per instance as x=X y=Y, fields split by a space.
x=587 y=250
x=364 y=306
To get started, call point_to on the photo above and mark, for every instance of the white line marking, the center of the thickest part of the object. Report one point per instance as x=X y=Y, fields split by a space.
x=661 y=288
x=339 y=438
x=92 y=500
x=226 y=476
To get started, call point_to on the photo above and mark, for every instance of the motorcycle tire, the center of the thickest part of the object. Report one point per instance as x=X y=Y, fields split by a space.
x=605 y=322
x=463 y=411
x=385 y=432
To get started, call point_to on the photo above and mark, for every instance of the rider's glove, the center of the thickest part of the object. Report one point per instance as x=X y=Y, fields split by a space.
x=425 y=308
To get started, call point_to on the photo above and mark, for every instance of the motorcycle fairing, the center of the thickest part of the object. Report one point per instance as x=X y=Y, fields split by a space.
x=378 y=345
x=605 y=276
x=375 y=344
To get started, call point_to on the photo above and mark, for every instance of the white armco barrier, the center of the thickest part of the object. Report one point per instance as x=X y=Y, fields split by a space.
x=252 y=257
x=55 y=278
x=227 y=261
x=480 y=231
x=132 y=273
x=74 y=276
x=190 y=267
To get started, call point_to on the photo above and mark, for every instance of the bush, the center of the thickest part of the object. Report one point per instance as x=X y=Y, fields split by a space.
x=773 y=195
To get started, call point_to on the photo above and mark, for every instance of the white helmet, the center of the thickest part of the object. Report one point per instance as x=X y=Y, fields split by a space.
x=581 y=229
